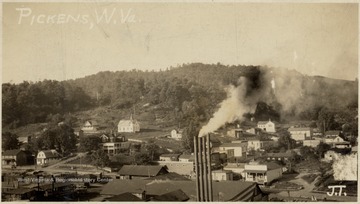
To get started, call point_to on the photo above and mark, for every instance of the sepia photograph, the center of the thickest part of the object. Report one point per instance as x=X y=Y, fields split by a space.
x=184 y=101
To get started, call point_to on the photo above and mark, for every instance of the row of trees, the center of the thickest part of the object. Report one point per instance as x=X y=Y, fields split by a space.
x=59 y=137
x=27 y=103
x=142 y=153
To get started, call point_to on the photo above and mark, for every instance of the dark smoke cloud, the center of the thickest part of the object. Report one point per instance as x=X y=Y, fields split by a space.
x=295 y=93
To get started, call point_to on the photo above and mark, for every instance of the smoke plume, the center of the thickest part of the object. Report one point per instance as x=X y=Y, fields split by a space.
x=293 y=91
x=240 y=99
x=345 y=167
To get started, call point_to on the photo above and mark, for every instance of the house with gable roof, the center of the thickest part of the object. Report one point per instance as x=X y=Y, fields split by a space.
x=16 y=157
x=131 y=125
x=90 y=126
x=176 y=134
x=301 y=133
x=47 y=157
x=232 y=150
x=267 y=126
x=337 y=142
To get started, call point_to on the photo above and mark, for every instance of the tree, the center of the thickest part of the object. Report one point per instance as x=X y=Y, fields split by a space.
x=136 y=147
x=152 y=149
x=142 y=158
x=325 y=119
x=285 y=141
x=70 y=120
x=37 y=144
x=37 y=102
x=88 y=144
x=293 y=159
x=9 y=141
x=189 y=133
x=54 y=119
x=308 y=153
x=322 y=148
x=60 y=137
x=100 y=158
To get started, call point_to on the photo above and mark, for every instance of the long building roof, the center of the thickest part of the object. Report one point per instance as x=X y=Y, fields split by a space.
x=229 y=190
x=140 y=170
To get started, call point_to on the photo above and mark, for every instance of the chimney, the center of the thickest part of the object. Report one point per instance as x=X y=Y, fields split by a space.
x=203 y=168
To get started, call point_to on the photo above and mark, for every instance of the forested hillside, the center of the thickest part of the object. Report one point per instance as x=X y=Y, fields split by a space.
x=189 y=92
x=28 y=102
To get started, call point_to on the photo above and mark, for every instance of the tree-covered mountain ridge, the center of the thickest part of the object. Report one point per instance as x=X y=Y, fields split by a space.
x=186 y=92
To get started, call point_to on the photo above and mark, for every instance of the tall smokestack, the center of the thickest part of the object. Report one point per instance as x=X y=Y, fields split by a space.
x=205 y=173
x=210 y=189
x=203 y=168
x=197 y=168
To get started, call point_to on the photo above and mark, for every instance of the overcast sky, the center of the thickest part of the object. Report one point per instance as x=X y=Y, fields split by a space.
x=70 y=40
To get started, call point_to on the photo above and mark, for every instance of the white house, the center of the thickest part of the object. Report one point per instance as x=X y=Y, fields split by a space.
x=24 y=139
x=301 y=133
x=187 y=158
x=258 y=144
x=333 y=139
x=267 y=126
x=262 y=173
x=112 y=144
x=311 y=143
x=176 y=134
x=131 y=125
x=232 y=149
x=222 y=175
x=337 y=141
x=47 y=157
x=90 y=126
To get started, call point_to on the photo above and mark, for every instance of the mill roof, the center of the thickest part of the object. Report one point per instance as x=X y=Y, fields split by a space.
x=140 y=170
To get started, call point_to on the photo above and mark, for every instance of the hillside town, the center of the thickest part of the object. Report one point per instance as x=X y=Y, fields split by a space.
x=256 y=161
x=179 y=102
